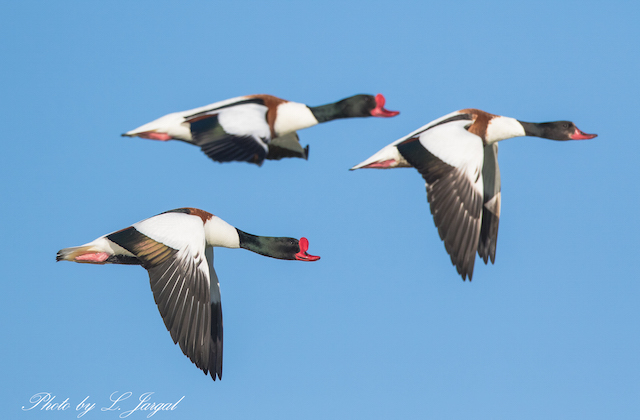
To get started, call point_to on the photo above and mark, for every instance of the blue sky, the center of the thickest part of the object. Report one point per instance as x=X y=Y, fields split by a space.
x=382 y=326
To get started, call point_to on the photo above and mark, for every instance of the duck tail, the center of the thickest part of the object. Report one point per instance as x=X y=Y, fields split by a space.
x=83 y=254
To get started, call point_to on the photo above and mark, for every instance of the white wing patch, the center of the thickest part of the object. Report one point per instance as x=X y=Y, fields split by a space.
x=245 y=120
x=175 y=230
x=426 y=127
x=455 y=146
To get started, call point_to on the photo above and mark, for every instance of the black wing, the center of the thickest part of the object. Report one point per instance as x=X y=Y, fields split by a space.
x=221 y=146
x=455 y=202
x=181 y=285
x=287 y=146
x=491 y=212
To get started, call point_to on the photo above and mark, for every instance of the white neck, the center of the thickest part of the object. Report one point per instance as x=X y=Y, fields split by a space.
x=220 y=233
x=502 y=128
x=293 y=116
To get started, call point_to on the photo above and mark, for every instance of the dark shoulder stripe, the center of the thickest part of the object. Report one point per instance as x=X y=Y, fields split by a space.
x=204 y=215
x=454 y=118
x=148 y=251
x=185 y=210
x=254 y=100
x=458 y=117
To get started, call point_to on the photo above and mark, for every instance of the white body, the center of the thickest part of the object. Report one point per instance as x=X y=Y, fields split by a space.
x=242 y=120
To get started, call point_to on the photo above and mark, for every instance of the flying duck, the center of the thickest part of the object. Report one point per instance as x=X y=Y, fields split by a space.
x=176 y=248
x=457 y=155
x=255 y=127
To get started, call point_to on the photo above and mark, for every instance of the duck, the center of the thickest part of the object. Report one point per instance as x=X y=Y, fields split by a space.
x=255 y=127
x=457 y=155
x=176 y=249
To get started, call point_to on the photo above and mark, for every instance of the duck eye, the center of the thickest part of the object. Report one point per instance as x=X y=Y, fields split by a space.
x=565 y=125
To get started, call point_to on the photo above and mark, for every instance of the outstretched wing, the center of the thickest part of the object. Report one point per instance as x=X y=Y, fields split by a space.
x=491 y=210
x=449 y=158
x=236 y=132
x=171 y=246
x=287 y=146
x=215 y=360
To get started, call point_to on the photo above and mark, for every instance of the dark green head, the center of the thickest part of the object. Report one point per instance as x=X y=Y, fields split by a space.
x=281 y=248
x=353 y=107
x=556 y=130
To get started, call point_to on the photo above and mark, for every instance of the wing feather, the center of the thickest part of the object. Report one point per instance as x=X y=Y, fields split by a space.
x=492 y=202
x=180 y=270
x=235 y=133
x=215 y=320
x=446 y=155
x=287 y=146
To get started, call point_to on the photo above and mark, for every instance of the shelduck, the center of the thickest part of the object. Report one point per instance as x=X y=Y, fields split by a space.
x=176 y=248
x=457 y=155
x=255 y=127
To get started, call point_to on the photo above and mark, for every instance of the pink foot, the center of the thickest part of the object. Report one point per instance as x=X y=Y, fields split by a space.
x=381 y=165
x=97 y=257
x=155 y=136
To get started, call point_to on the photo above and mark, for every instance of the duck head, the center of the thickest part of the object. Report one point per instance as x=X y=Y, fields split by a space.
x=291 y=249
x=556 y=130
x=353 y=107
x=282 y=248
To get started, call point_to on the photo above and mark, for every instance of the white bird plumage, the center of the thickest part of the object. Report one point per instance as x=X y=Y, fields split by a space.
x=255 y=127
x=176 y=248
x=457 y=155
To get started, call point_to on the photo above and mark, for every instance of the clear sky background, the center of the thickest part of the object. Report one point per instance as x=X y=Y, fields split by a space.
x=382 y=326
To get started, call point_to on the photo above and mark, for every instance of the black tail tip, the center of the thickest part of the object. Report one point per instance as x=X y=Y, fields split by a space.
x=59 y=256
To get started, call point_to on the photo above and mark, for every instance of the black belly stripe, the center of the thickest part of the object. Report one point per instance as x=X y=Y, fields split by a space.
x=123 y=259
